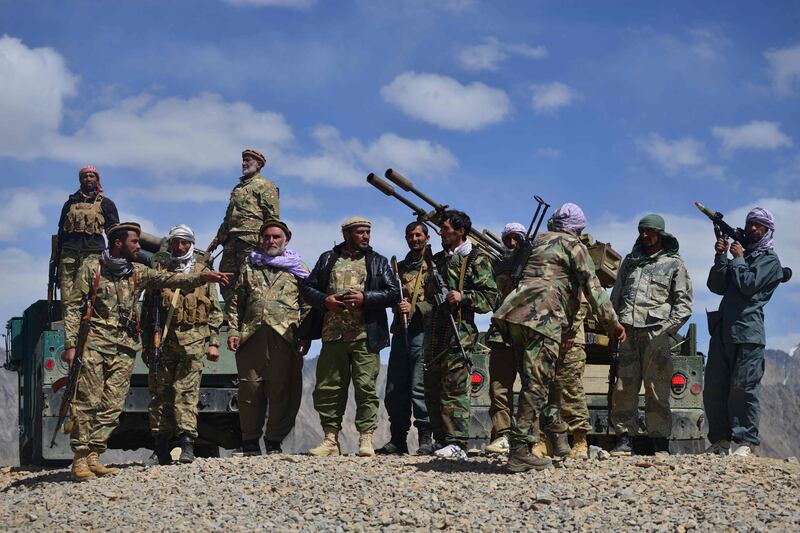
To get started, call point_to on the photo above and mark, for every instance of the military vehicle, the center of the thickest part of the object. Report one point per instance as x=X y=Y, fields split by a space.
x=34 y=342
x=686 y=402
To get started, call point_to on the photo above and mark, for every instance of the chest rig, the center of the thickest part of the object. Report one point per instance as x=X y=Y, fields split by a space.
x=85 y=217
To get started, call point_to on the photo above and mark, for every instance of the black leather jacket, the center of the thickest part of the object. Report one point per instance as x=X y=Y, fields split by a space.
x=381 y=291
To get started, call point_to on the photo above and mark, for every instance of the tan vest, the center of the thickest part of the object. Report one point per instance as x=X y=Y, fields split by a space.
x=85 y=217
x=192 y=309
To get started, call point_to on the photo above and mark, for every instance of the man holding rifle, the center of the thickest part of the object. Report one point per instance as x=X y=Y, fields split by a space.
x=405 y=381
x=113 y=283
x=467 y=273
x=188 y=324
x=736 y=353
x=536 y=314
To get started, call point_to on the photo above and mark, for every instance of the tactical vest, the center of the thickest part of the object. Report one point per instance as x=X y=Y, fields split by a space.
x=85 y=217
x=192 y=309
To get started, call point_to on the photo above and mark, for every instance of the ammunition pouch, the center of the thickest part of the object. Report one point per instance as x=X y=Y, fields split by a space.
x=85 y=217
x=192 y=309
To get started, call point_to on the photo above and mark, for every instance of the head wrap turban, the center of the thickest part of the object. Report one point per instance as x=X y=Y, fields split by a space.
x=765 y=218
x=569 y=216
x=187 y=261
x=90 y=168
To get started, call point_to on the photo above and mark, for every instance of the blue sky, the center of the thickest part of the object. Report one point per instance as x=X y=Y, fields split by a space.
x=623 y=108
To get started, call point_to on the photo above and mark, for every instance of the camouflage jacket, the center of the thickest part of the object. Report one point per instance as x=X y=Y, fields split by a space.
x=116 y=298
x=253 y=201
x=478 y=295
x=348 y=272
x=653 y=294
x=547 y=299
x=412 y=274
x=197 y=314
x=265 y=296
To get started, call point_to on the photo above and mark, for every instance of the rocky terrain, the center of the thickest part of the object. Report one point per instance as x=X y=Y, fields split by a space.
x=292 y=492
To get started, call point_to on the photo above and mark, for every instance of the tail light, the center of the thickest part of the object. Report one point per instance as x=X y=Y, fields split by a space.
x=678 y=382
x=477 y=381
x=49 y=364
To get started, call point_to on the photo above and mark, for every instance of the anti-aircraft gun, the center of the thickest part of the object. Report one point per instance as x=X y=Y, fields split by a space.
x=34 y=342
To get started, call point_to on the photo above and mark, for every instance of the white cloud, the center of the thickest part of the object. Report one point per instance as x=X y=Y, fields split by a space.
x=35 y=83
x=180 y=193
x=23 y=210
x=548 y=152
x=445 y=102
x=293 y=4
x=347 y=162
x=673 y=155
x=757 y=135
x=707 y=44
x=548 y=98
x=24 y=281
x=784 y=66
x=172 y=135
x=489 y=55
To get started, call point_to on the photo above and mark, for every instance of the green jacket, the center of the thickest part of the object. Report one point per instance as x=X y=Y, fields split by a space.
x=117 y=297
x=746 y=285
x=253 y=201
x=548 y=297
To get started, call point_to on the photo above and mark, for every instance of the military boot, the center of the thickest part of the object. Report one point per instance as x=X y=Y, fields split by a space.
x=250 y=447
x=187 y=449
x=426 y=444
x=559 y=443
x=80 y=470
x=520 y=459
x=542 y=448
x=397 y=445
x=272 y=447
x=365 y=448
x=98 y=468
x=161 y=449
x=660 y=445
x=622 y=446
x=498 y=446
x=580 y=448
x=329 y=445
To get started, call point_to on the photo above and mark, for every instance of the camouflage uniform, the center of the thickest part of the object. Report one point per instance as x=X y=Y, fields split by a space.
x=265 y=311
x=175 y=385
x=653 y=298
x=405 y=381
x=111 y=349
x=253 y=201
x=502 y=372
x=345 y=354
x=537 y=313
x=80 y=237
x=447 y=379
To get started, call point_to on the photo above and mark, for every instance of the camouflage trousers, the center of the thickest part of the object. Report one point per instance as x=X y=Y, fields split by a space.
x=502 y=374
x=447 y=393
x=234 y=252
x=405 y=381
x=270 y=385
x=103 y=384
x=643 y=357
x=338 y=363
x=566 y=408
x=175 y=389
x=535 y=357
x=71 y=261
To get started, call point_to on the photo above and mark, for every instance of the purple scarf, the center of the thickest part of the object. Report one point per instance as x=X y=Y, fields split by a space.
x=569 y=216
x=765 y=218
x=289 y=261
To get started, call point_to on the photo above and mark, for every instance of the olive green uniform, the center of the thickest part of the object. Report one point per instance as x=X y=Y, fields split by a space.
x=111 y=348
x=502 y=372
x=175 y=384
x=253 y=201
x=447 y=379
x=264 y=311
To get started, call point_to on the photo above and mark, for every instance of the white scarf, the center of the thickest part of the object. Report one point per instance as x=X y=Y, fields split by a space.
x=462 y=249
x=186 y=262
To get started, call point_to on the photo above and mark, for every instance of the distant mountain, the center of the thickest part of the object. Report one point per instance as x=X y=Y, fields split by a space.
x=780 y=405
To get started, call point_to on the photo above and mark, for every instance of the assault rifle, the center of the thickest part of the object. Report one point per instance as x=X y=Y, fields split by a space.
x=432 y=219
x=440 y=301
x=612 y=378
x=722 y=229
x=524 y=249
x=404 y=316
x=52 y=280
x=155 y=350
x=77 y=362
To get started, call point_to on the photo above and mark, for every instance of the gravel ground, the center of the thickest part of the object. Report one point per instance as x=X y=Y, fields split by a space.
x=293 y=492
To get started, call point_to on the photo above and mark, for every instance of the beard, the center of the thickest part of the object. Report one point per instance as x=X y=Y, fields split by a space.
x=275 y=251
x=251 y=169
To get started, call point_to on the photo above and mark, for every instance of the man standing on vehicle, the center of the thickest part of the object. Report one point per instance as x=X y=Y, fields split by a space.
x=534 y=316
x=736 y=353
x=467 y=274
x=653 y=299
x=253 y=201
x=189 y=327
x=350 y=288
x=405 y=376
x=85 y=216
x=112 y=286
x=502 y=372
x=264 y=313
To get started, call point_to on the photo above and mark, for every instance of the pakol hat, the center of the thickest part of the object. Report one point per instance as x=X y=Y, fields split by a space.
x=654 y=222
x=277 y=223
x=126 y=226
x=353 y=222
x=255 y=154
